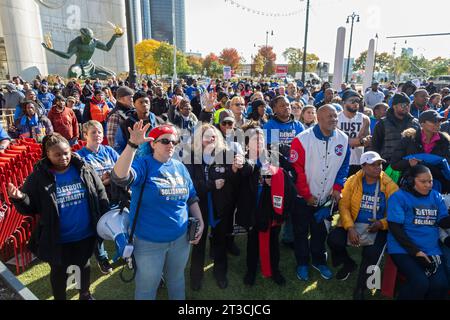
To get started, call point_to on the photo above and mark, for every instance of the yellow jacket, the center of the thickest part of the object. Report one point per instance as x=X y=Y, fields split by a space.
x=352 y=194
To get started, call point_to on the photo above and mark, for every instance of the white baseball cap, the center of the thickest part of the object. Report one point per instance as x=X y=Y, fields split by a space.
x=370 y=157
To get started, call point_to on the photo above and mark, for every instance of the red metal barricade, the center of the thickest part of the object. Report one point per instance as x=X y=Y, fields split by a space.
x=16 y=163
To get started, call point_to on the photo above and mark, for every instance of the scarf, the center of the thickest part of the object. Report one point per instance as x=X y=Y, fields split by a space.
x=277 y=190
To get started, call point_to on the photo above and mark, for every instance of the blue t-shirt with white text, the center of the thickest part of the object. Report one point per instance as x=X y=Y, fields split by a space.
x=102 y=161
x=73 y=207
x=367 y=202
x=164 y=210
x=419 y=217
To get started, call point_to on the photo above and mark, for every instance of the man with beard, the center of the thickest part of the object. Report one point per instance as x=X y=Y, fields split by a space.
x=388 y=130
x=356 y=126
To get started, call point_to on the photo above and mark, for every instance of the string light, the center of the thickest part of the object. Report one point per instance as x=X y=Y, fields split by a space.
x=263 y=13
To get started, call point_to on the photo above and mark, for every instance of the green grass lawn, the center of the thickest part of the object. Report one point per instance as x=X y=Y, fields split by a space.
x=111 y=287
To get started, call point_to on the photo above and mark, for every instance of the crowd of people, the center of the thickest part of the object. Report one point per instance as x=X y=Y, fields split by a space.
x=279 y=160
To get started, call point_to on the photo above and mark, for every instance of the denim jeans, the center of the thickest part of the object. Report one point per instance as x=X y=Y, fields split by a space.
x=446 y=258
x=304 y=224
x=153 y=259
x=418 y=286
x=100 y=252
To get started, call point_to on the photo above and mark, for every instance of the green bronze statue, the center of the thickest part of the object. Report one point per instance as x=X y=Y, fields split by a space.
x=83 y=47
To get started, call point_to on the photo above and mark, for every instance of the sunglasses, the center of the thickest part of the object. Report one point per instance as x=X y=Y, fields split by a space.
x=166 y=141
x=227 y=123
x=239 y=104
x=352 y=101
x=404 y=105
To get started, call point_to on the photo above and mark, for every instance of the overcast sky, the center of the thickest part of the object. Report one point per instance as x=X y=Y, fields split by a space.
x=212 y=25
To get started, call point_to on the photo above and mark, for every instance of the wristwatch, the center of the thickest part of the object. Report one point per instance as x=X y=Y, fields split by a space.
x=133 y=145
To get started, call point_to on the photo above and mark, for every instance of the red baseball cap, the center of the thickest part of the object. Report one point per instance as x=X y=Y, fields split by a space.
x=155 y=133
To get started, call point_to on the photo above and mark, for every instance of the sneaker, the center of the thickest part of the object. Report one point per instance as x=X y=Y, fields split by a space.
x=345 y=271
x=325 y=272
x=279 y=279
x=303 y=273
x=249 y=279
x=233 y=249
x=105 y=266
x=86 y=296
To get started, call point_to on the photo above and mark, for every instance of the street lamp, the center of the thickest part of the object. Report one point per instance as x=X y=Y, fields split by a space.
x=132 y=74
x=265 y=56
x=353 y=16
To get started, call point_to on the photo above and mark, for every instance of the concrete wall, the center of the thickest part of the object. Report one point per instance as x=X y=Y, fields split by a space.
x=23 y=40
x=21 y=31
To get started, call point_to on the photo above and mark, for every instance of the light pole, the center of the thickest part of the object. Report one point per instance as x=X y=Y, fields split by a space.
x=353 y=16
x=265 y=56
x=132 y=74
x=305 y=43
x=174 y=41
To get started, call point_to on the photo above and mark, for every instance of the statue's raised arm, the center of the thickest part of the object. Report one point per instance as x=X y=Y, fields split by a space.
x=84 y=47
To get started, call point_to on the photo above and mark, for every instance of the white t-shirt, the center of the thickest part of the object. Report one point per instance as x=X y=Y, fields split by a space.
x=352 y=127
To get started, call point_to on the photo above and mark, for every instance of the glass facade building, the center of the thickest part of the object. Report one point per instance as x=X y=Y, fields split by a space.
x=161 y=22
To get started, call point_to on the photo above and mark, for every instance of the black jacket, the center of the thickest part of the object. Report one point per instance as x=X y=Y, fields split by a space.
x=40 y=198
x=223 y=200
x=259 y=215
x=387 y=133
x=411 y=143
x=160 y=106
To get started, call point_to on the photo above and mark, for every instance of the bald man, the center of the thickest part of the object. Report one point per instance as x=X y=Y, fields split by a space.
x=320 y=156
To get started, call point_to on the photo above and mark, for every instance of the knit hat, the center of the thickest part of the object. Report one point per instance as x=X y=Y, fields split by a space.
x=123 y=92
x=400 y=98
x=155 y=133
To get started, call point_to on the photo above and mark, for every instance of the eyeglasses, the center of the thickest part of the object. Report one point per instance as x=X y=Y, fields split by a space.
x=227 y=123
x=166 y=141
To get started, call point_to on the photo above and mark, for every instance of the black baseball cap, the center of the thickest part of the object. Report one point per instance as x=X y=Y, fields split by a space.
x=430 y=115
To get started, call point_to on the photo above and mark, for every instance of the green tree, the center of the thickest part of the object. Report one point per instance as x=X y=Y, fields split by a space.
x=163 y=56
x=439 y=66
x=257 y=65
x=196 y=64
x=294 y=56
x=383 y=62
x=209 y=66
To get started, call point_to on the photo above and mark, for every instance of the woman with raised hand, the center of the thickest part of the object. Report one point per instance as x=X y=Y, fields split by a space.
x=161 y=244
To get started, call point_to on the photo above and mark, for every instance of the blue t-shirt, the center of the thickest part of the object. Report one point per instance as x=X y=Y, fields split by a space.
x=287 y=131
x=46 y=99
x=3 y=134
x=419 y=216
x=164 y=210
x=368 y=199
x=74 y=213
x=102 y=161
